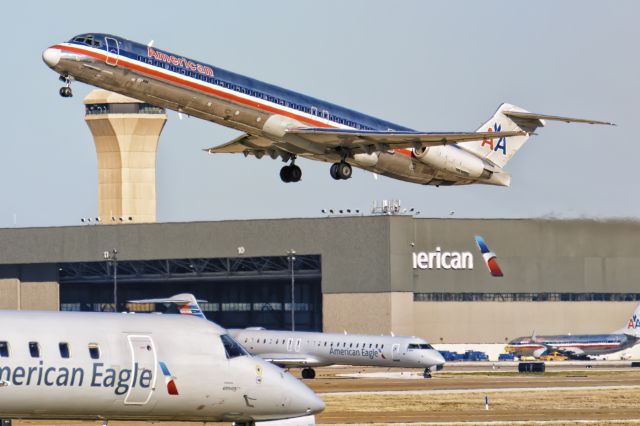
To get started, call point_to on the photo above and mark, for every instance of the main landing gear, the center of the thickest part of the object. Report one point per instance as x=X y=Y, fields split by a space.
x=65 y=91
x=291 y=173
x=341 y=170
x=308 y=373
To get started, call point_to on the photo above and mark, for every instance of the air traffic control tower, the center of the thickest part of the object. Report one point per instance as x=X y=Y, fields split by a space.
x=126 y=133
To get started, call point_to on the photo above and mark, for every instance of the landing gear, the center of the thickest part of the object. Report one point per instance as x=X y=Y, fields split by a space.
x=5 y=422
x=341 y=170
x=291 y=173
x=427 y=373
x=308 y=373
x=65 y=91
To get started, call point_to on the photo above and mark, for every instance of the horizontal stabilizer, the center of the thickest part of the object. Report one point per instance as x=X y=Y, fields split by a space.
x=178 y=298
x=533 y=116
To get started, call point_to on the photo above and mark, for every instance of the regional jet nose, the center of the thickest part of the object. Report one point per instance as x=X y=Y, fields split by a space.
x=302 y=400
x=51 y=57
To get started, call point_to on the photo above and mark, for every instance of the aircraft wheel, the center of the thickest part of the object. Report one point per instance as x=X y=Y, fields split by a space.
x=333 y=171
x=308 y=373
x=344 y=170
x=427 y=373
x=5 y=422
x=295 y=172
x=285 y=174
x=66 y=92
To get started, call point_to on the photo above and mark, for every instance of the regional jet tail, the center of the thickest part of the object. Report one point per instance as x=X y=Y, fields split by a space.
x=279 y=123
x=313 y=349
x=580 y=345
x=111 y=366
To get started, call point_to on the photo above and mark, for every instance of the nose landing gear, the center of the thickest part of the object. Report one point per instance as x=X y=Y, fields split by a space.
x=65 y=91
x=427 y=373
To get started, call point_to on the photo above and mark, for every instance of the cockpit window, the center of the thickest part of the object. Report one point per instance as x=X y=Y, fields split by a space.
x=419 y=346
x=231 y=347
x=87 y=39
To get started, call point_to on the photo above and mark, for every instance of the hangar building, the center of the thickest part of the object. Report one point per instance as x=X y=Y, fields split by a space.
x=374 y=274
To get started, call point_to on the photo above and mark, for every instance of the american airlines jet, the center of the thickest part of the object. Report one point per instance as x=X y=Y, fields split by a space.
x=314 y=349
x=110 y=366
x=280 y=123
x=580 y=345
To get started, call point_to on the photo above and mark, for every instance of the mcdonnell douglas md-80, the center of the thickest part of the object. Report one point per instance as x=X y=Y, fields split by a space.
x=307 y=349
x=580 y=345
x=109 y=366
x=284 y=124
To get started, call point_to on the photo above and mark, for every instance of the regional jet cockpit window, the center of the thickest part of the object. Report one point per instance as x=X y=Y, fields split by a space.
x=87 y=39
x=231 y=347
x=419 y=346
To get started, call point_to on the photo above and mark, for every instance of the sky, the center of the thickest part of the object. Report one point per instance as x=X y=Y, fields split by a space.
x=431 y=66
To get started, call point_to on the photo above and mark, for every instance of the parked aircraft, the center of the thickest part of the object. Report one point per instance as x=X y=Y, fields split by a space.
x=314 y=349
x=280 y=123
x=110 y=366
x=579 y=345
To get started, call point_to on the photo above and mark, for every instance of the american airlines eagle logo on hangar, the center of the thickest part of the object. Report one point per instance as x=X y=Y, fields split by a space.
x=456 y=260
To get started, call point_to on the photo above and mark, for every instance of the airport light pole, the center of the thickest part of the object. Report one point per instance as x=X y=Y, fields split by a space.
x=112 y=258
x=291 y=257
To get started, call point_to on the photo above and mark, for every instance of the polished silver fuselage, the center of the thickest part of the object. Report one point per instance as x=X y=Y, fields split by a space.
x=263 y=125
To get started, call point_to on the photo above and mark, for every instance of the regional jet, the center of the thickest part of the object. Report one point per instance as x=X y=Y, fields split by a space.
x=120 y=366
x=282 y=124
x=313 y=349
x=579 y=346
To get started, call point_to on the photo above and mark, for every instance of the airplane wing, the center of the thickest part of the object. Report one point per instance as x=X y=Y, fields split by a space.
x=292 y=360
x=382 y=140
x=241 y=144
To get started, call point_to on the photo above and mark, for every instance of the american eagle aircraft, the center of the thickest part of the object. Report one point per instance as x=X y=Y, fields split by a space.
x=120 y=366
x=280 y=123
x=580 y=345
x=314 y=349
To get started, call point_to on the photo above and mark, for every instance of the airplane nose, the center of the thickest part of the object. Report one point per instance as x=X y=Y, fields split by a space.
x=51 y=57
x=303 y=399
x=438 y=360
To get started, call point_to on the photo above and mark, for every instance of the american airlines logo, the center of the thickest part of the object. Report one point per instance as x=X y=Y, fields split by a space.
x=634 y=322
x=456 y=260
x=439 y=259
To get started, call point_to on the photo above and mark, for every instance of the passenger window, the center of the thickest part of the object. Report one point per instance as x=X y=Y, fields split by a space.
x=34 y=349
x=231 y=347
x=94 y=351
x=4 y=349
x=64 y=349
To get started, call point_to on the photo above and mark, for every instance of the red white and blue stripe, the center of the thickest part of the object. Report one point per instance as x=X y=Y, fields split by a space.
x=489 y=257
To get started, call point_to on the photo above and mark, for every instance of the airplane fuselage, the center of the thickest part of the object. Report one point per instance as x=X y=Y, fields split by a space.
x=261 y=110
x=587 y=344
x=124 y=366
x=310 y=349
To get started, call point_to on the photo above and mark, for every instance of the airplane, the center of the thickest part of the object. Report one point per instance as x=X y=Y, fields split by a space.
x=294 y=349
x=280 y=123
x=124 y=366
x=579 y=346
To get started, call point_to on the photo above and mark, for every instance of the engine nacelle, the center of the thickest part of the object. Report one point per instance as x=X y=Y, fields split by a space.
x=453 y=160
x=539 y=352
x=366 y=160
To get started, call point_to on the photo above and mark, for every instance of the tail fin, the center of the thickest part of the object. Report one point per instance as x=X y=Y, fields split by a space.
x=512 y=118
x=187 y=303
x=499 y=151
x=633 y=325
